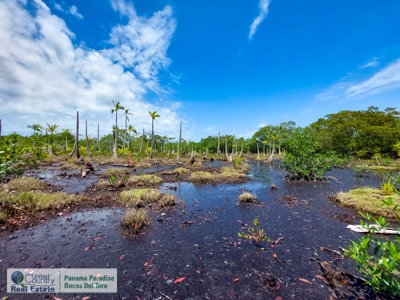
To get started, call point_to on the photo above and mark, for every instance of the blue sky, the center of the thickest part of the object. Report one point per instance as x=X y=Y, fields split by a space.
x=231 y=65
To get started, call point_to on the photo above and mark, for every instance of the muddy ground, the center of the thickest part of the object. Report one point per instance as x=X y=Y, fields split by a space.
x=198 y=239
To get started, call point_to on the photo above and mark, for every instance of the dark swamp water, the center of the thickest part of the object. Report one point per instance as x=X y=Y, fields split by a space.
x=198 y=240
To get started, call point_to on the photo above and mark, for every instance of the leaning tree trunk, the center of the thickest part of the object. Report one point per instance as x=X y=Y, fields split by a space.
x=179 y=143
x=76 y=146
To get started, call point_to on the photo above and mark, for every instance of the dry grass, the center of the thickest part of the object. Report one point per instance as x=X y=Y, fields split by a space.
x=368 y=200
x=201 y=175
x=247 y=198
x=177 y=171
x=140 y=196
x=24 y=184
x=134 y=220
x=3 y=215
x=35 y=200
x=144 y=180
x=167 y=201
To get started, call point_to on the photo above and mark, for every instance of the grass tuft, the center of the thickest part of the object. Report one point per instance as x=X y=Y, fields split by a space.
x=139 y=196
x=116 y=172
x=247 y=198
x=134 y=220
x=144 y=180
x=368 y=200
x=167 y=201
x=24 y=184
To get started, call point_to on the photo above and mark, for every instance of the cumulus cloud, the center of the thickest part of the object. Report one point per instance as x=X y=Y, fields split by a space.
x=263 y=5
x=45 y=78
x=383 y=80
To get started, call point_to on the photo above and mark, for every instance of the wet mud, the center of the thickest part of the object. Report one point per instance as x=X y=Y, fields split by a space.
x=198 y=241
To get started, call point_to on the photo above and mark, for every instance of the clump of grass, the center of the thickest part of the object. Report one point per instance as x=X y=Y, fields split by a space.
x=167 y=201
x=3 y=215
x=140 y=196
x=228 y=172
x=134 y=220
x=180 y=171
x=69 y=166
x=368 y=200
x=116 y=172
x=201 y=175
x=35 y=201
x=247 y=198
x=24 y=184
x=144 y=180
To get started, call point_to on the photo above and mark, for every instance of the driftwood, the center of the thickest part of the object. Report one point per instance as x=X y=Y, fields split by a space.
x=86 y=169
x=375 y=228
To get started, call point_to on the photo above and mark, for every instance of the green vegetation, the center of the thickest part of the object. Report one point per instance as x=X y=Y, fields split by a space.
x=227 y=173
x=247 y=198
x=144 y=180
x=141 y=196
x=116 y=172
x=254 y=233
x=304 y=160
x=134 y=220
x=368 y=200
x=177 y=171
x=378 y=257
x=24 y=184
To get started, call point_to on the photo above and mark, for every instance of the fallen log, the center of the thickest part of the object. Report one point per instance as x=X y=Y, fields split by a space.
x=375 y=229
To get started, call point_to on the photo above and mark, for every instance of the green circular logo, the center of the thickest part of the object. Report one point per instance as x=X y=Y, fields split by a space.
x=17 y=277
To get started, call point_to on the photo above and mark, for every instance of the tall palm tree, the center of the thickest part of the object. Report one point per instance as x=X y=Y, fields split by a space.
x=52 y=130
x=126 y=113
x=153 y=116
x=115 y=109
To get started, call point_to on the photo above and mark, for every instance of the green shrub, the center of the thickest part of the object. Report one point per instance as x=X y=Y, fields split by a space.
x=377 y=257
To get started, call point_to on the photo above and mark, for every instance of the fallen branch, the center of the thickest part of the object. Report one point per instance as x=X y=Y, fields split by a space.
x=330 y=250
x=375 y=229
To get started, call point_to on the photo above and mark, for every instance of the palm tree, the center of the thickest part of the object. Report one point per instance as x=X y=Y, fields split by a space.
x=115 y=109
x=51 y=129
x=153 y=116
x=126 y=124
x=36 y=128
x=131 y=130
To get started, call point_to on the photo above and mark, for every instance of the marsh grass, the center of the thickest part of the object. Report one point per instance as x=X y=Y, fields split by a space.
x=247 y=198
x=167 y=201
x=134 y=220
x=368 y=200
x=140 y=196
x=144 y=180
x=227 y=173
x=32 y=201
x=24 y=184
x=3 y=215
x=177 y=171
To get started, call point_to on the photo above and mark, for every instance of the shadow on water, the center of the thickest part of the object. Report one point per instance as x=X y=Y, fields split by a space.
x=198 y=240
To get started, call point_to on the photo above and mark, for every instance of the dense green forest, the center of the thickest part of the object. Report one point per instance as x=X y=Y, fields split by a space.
x=351 y=134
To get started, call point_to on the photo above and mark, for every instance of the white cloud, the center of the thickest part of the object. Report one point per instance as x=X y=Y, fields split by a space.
x=383 y=80
x=263 y=5
x=371 y=64
x=74 y=11
x=44 y=78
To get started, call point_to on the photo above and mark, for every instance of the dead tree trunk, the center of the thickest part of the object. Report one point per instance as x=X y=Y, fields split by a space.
x=87 y=141
x=218 y=150
x=226 y=147
x=76 y=145
x=179 y=143
x=98 y=137
x=141 y=143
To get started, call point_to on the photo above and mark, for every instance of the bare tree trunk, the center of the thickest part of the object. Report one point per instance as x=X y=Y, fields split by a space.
x=178 y=157
x=76 y=146
x=126 y=124
x=241 y=150
x=98 y=137
x=87 y=140
x=258 y=152
x=141 y=143
x=218 y=150
x=116 y=136
x=66 y=143
x=226 y=146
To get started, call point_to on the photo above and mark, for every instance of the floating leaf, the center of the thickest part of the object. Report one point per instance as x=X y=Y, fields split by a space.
x=178 y=280
x=275 y=256
x=87 y=248
x=305 y=280
x=86 y=298
x=236 y=279
x=150 y=261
